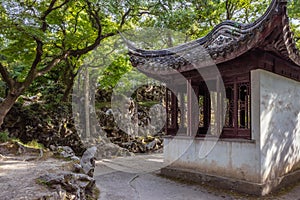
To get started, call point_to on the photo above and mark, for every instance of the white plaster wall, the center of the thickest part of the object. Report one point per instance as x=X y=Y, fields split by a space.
x=275 y=130
x=240 y=159
x=227 y=158
x=279 y=124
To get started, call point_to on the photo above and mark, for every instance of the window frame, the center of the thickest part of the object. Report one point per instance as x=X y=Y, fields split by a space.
x=173 y=107
x=236 y=131
x=228 y=132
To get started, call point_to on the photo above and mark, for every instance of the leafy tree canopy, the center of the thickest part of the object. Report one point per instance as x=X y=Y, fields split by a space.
x=46 y=41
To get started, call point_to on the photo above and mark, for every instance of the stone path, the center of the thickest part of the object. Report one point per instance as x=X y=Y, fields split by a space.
x=137 y=178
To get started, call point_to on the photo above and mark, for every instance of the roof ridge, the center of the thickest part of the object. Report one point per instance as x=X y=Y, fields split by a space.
x=228 y=24
x=225 y=42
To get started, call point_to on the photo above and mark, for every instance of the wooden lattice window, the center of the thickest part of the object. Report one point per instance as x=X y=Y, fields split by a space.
x=204 y=109
x=243 y=105
x=237 y=113
x=171 y=108
x=229 y=101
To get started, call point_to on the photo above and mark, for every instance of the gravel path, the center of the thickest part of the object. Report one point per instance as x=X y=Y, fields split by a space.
x=137 y=178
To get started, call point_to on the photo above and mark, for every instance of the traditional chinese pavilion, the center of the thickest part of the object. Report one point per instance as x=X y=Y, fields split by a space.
x=251 y=101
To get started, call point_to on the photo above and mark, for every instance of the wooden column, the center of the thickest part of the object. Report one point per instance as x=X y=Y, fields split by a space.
x=219 y=107
x=174 y=111
x=182 y=109
x=193 y=110
x=235 y=114
x=189 y=111
x=167 y=112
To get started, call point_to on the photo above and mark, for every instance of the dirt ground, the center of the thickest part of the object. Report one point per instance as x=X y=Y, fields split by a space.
x=21 y=166
x=133 y=178
x=18 y=177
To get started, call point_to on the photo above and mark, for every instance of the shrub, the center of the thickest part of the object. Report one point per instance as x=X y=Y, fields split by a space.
x=34 y=144
x=4 y=136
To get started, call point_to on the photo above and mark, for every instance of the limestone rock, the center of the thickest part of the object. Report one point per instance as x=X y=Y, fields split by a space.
x=107 y=149
x=76 y=184
x=79 y=183
x=46 y=125
x=88 y=161
x=65 y=151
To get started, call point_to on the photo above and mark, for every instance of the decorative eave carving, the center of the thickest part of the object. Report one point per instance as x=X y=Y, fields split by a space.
x=292 y=50
x=225 y=42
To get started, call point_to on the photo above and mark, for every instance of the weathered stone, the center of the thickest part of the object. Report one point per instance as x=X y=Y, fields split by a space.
x=88 y=161
x=52 y=147
x=32 y=122
x=107 y=149
x=52 y=178
x=65 y=151
x=77 y=184
x=75 y=158
x=2 y=157
x=61 y=193
x=78 y=168
x=16 y=148
x=151 y=145
x=20 y=179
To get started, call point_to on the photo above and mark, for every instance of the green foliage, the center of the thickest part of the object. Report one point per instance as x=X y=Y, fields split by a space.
x=110 y=75
x=196 y=18
x=4 y=136
x=101 y=105
x=52 y=93
x=73 y=26
x=148 y=104
x=294 y=14
x=34 y=144
x=42 y=182
x=35 y=36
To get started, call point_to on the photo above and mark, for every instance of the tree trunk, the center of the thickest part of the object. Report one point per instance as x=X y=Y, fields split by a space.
x=68 y=89
x=87 y=103
x=6 y=105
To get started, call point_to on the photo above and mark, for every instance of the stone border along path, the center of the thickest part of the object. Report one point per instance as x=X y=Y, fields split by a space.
x=129 y=179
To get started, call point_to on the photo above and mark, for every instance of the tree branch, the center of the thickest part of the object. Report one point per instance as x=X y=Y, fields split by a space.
x=38 y=57
x=39 y=53
x=6 y=77
x=97 y=41
x=32 y=74
x=76 y=19
x=49 y=10
x=164 y=7
x=53 y=63
x=123 y=20
x=95 y=16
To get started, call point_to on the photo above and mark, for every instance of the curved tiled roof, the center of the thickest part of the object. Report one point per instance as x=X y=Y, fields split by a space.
x=225 y=42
